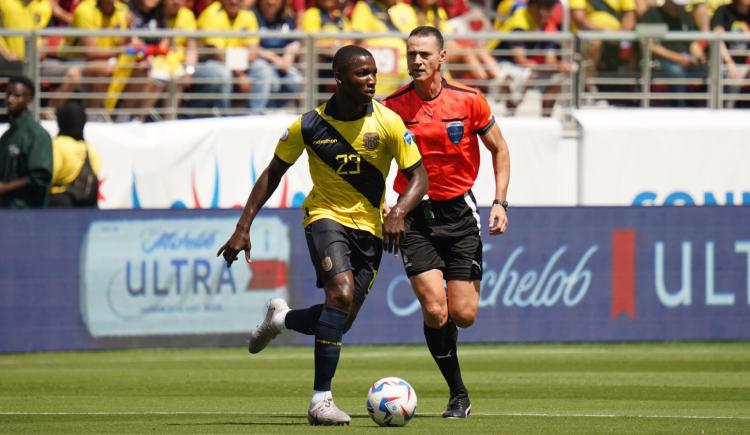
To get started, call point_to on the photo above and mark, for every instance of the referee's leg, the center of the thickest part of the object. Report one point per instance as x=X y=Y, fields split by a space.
x=441 y=336
x=463 y=302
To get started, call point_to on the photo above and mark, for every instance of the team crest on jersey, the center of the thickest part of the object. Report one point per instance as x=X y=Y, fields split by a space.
x=370 y=141
x=455 y=131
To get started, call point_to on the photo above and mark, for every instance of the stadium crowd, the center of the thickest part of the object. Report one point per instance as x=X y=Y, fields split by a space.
x=212 y=74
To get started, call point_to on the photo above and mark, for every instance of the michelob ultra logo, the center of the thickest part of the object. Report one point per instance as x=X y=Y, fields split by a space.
x=162 y=276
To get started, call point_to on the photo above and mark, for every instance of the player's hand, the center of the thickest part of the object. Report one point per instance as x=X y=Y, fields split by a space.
x=240 y=241
x=393 y=230
x=498 y=220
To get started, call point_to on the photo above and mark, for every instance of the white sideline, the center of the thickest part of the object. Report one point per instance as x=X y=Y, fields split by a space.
x=479 y=414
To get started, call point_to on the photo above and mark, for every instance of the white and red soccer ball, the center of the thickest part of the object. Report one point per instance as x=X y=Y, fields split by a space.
x=391 y=402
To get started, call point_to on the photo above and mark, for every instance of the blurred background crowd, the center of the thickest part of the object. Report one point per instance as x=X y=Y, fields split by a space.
x=196 y=70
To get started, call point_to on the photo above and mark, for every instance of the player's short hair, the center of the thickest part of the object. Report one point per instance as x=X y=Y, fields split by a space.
x=429 y=31
x=543 y=4
x=71 y=118
x=24 y=81
x=343 y=57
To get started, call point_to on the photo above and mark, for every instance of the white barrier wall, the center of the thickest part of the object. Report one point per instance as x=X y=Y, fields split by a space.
x=214 y=162
x=627 y=157
x=665 y=157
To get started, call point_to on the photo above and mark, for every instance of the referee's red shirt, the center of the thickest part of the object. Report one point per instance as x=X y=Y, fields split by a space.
x=446 y=129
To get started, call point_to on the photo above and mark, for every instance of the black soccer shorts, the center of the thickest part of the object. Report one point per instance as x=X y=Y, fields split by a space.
x=444 y=235
x=335 y=248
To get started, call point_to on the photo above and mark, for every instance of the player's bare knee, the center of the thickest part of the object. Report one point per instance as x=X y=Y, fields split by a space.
x=339 y=293
x=435 y=315
x=463 y=318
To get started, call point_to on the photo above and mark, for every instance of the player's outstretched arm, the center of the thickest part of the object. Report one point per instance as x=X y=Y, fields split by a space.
x=265 y=187
x=393 y=224
x=495 y=142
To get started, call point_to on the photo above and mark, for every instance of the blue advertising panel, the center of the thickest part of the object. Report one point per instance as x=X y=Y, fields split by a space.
x=103 y=279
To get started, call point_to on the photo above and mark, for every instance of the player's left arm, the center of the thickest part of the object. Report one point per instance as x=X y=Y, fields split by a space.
x=495 y=142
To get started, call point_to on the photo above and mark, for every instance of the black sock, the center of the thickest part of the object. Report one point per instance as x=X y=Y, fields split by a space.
x=303 y=321
x=328 y=346
x=442 y=345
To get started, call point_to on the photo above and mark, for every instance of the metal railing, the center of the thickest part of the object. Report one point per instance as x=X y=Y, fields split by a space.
x=636 y=83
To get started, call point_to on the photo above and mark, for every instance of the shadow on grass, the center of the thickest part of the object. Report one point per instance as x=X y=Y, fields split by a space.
x=269 y=421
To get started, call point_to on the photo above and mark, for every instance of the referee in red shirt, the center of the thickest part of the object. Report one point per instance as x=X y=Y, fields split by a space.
x=442 y=242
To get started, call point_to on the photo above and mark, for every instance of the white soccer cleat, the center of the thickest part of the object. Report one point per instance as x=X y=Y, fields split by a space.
x=268 y=329
x=326 y=413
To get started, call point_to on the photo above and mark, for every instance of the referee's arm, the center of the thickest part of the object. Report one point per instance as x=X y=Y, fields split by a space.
x=495 y=142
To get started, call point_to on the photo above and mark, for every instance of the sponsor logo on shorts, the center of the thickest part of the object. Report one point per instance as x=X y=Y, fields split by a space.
x=327 y=264
x=370 y=141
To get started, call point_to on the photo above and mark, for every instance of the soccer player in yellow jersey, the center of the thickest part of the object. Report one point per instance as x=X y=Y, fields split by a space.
x=350 y=142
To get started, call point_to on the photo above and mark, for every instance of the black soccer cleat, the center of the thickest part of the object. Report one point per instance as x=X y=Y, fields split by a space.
x=458 y=407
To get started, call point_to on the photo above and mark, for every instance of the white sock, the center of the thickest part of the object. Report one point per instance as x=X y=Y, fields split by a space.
x=278 y=319
x=319 y=396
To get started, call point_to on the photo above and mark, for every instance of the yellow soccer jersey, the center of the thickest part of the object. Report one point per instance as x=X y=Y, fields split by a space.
x=184 y=20
x=349 y=162
x=68 y=156
x=435 y=17
x=598 y=12
x=88 y=16
x=214 y=17
x=16 y=14
x=389 y=52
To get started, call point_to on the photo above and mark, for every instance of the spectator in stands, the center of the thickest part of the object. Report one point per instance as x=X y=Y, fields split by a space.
x=520 y=66
x=252 y=74
x=138 y=62
x=282 y=53
x=21 y=15
x=25 y=151
x=676 y=59
x=96 y=56
x=430 y=13
x=472 y=53
x=183 y=51
x=326 y=16
x=75 y=163
x=605 y=15
x=386 y=16
x=735 y=17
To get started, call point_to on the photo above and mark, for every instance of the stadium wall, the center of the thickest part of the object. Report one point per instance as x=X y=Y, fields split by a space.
x=140 y=278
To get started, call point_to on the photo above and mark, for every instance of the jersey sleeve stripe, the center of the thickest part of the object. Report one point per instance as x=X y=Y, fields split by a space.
x=328 y=144
x=412 y=168
x=482 y=131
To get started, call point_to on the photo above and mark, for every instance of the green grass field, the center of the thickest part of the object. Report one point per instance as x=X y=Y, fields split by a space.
x=692 y=388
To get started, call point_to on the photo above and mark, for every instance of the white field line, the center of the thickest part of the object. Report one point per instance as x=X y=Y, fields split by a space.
x=304 y=353
x=293 y=414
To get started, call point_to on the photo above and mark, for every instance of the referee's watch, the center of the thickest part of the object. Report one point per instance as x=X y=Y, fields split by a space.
x=501 y=202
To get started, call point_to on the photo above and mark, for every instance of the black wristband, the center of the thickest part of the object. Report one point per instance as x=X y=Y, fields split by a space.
x=503 y=203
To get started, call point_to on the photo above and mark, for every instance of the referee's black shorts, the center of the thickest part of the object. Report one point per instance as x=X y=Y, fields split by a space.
x=444 y=235
x=335 y=248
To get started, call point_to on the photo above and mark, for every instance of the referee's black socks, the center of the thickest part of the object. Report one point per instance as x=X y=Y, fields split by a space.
x=442 y=345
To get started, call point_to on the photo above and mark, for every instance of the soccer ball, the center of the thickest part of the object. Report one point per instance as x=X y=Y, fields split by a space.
x=391 y=402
